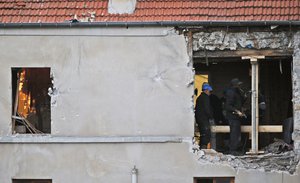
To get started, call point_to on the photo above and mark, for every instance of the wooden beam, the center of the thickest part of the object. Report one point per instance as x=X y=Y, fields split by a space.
x=253 y=58
x=16 y=104
x=240 y=53
x=247 y=129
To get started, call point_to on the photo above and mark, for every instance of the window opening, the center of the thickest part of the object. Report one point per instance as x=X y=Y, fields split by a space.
x=275 y=94
x=31 y=109
x=214 y=180
x=31 y=181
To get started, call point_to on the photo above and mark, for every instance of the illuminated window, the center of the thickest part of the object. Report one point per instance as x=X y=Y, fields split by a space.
x=31 y=102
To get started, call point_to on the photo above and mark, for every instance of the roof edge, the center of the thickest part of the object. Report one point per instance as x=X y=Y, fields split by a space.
x=148 y=24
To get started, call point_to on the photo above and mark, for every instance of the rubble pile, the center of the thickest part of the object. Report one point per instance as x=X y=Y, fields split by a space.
x=269 y=162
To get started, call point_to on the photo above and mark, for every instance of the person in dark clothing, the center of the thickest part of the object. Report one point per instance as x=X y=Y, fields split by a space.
x=233 y=107
x=216 y=105
x=203 y=115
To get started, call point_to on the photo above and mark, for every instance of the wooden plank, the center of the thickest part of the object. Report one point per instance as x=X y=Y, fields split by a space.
x=255 y=153
x=247 y=129
x=240 y=53
x=15 y=105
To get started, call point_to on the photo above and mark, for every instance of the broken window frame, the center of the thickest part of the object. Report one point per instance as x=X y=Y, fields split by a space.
x=17 y=117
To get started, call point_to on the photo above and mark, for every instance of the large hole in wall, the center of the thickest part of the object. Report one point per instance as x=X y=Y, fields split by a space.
x=31 y=109
x=275 y=89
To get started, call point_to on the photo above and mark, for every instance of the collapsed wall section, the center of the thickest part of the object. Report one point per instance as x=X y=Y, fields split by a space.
x=296 y=91
x=210 y=44
x=223 y=40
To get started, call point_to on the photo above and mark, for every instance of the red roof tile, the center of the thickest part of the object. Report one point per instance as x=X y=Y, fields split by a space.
x=150 y=10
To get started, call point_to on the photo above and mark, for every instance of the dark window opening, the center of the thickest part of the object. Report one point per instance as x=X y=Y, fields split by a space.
x=31 y=181
x=214 y=180
x=31 y=109
x=275 y=89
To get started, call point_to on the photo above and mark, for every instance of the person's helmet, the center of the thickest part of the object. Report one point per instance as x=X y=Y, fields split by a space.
x=206 y=86
x=236 y=82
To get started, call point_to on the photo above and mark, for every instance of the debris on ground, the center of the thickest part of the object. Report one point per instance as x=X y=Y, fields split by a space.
x=278 y=146
x=274 y=159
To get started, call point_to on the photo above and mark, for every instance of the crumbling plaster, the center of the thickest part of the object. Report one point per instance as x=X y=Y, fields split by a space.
x=223 y=40
x=296 y=91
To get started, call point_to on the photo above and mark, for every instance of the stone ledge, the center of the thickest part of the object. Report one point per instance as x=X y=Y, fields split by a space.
x=48 y=139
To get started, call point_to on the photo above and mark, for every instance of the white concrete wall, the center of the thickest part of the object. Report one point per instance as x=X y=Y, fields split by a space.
x=93 y=163
x=108 y=85
x=102 y=163
x=110 y=82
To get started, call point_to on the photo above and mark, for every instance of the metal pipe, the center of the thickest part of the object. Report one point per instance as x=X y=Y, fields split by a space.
x=147 y=24
x=134 y=173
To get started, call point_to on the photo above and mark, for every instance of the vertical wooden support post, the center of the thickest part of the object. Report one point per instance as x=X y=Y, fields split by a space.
x=254 y=102
x=15 y=104
x=254 y=107
x=190 y=46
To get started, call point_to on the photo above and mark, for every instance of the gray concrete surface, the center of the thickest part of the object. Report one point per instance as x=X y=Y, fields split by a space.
x=107 y=86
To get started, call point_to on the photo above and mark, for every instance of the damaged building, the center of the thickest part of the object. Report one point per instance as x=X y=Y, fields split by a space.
x=103 y=90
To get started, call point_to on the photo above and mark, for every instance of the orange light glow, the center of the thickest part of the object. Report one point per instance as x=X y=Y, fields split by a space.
x=24 y=98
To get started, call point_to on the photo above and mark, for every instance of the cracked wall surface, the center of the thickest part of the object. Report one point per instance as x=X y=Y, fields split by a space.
x=110 y=82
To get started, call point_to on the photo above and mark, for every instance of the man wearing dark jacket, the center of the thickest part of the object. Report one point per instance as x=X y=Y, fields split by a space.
x=233 y=106
x=203 y=114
